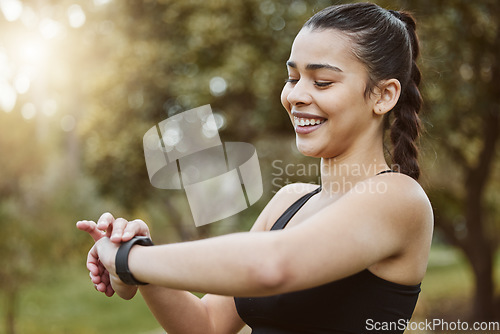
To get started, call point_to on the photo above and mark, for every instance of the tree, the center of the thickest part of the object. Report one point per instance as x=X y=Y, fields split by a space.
x=18 y=168
x=461 y=65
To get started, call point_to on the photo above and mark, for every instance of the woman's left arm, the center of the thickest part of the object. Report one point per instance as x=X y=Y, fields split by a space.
x=358 y=230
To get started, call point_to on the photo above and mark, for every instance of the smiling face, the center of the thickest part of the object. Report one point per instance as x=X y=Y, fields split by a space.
x=325 y=95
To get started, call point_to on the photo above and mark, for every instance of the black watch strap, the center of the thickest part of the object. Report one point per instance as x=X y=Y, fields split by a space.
x=121 y=260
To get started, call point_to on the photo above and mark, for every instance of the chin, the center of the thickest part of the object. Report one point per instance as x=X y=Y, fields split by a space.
x=315 y=151
x=308 y=151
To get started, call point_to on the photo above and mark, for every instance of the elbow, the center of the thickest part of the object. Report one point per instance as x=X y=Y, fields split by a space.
x=269 y=275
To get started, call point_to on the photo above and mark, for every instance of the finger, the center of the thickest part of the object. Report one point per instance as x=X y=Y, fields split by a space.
x=95 y=279
x=93 y=261
x=105 y=221
x=101 y=287
x=133 y=228
x=118 y=227
x=109 y=291
x=91 y=228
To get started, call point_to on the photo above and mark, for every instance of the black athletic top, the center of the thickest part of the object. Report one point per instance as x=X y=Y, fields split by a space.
x=361 y=303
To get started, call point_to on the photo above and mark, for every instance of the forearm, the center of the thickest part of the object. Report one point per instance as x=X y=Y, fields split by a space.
x=177 y=311
x=239 y=264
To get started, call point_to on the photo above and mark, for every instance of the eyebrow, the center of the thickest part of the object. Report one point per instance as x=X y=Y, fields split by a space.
x=313 y=67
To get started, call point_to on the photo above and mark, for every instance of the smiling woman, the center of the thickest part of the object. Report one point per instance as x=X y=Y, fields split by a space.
x=339 y=256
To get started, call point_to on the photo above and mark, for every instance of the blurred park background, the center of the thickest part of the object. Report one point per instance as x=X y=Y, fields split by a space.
x=82 y=81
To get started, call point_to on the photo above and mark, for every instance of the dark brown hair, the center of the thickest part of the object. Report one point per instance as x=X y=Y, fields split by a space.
x=386 y=42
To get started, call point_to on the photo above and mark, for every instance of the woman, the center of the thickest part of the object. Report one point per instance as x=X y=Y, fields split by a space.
x=347 y=257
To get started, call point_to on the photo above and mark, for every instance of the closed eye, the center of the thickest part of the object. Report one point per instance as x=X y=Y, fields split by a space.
x=320 y=84
x=323 y=84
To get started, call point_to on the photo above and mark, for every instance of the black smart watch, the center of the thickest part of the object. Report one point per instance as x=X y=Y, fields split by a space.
x=121 y=260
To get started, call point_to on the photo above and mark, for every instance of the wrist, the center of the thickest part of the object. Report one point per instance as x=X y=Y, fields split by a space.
x=122 y=259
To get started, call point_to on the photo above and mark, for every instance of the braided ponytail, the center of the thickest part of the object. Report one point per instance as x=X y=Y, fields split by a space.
x=386 y=42
x=406 y=127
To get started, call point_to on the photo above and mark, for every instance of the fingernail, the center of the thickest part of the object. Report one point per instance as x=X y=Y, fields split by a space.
x=127 y=234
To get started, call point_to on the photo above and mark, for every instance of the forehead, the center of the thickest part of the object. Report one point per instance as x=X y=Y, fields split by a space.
x=325 y=46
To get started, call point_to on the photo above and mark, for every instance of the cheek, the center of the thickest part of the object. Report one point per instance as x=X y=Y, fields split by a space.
x=284 y=95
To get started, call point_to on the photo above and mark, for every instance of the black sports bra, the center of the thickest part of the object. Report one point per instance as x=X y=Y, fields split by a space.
x=360 y=303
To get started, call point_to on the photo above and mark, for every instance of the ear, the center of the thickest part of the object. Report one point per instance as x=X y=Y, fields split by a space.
x=387 y=97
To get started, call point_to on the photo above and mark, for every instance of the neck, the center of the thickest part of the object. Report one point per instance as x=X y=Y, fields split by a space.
x=340 y=174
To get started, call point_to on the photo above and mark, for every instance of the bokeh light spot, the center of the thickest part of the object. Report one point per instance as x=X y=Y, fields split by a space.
x=76 y=16
x=22 y=83
x=218 y=86
x=11 y=9
x=8 y=96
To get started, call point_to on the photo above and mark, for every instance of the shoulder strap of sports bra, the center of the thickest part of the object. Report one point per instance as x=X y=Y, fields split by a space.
x=386 y=171
x=292 y=210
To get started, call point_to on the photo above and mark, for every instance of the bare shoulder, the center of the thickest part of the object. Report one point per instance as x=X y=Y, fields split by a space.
x=284 y=198
x=405 y=190
x=399 y=196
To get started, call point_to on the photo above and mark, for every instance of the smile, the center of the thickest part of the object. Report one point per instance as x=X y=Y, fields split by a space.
x=298 y=121
x=306 y=125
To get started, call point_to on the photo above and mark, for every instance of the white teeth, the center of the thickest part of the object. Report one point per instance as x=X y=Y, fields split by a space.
x=307 y=121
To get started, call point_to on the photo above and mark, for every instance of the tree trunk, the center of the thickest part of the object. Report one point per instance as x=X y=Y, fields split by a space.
x=479 y=251
x=10 y=315
x=478 y=245
x=481 y=260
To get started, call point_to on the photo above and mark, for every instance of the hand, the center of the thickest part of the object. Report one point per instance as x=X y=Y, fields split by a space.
x=100 y=275
x=118 y=231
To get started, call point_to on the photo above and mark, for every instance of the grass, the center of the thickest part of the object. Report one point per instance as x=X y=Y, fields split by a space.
x=64 y=301
x=68 y=303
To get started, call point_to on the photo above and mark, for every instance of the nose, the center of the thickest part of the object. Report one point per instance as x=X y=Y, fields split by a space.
x=299 y=94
